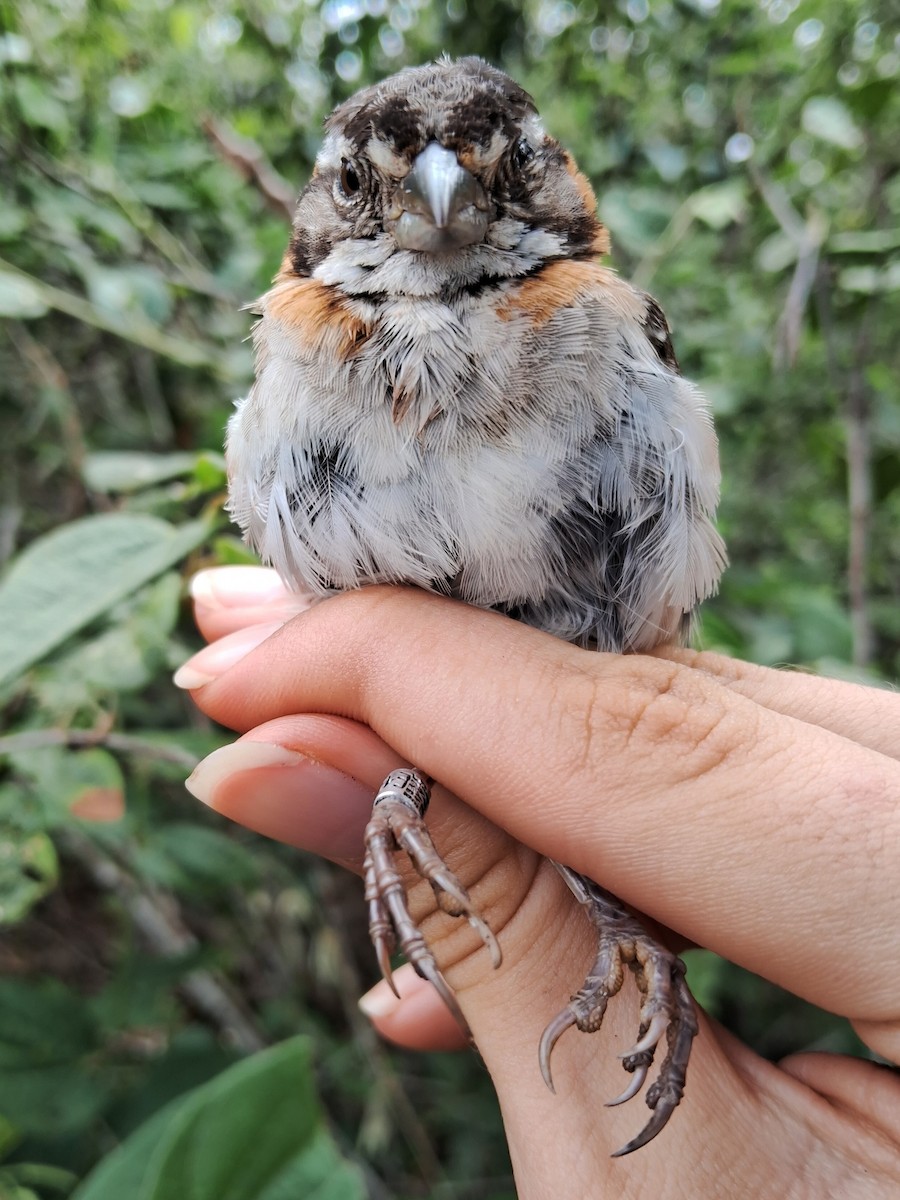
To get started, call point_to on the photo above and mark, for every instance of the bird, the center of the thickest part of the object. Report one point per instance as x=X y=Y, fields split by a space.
x=453 y=392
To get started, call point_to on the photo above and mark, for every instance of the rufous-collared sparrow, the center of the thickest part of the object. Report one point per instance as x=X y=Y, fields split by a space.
x=453 y=392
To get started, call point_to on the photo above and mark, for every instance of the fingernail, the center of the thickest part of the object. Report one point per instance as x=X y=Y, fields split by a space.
x=212 y=661
x=237 y=587
x=379 y=1001
x=204 y=780
x=283 y=794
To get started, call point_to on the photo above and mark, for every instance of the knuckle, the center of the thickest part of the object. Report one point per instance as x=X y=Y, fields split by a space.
x=698 y=728
x=647 y=707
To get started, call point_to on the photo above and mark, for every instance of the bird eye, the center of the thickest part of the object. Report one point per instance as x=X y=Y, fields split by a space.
x=350 y=181
x=523 y=154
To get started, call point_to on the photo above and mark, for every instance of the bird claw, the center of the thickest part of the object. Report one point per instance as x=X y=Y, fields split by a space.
x=667 y=1006
x=397 y=823
x=637 y=1082
x=551 y=1035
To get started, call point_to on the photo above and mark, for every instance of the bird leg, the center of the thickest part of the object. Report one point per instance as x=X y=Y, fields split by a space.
x=397 y=822
x=667 y=1007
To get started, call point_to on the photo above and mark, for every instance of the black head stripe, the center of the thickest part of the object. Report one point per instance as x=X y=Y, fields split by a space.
x=462 y=102
x=392 y=119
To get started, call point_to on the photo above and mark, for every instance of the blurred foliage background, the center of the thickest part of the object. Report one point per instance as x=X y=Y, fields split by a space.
x=164 y=976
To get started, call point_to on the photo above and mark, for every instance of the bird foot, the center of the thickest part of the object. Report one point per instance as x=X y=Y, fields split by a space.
x=397 y=822
x=667 y=1006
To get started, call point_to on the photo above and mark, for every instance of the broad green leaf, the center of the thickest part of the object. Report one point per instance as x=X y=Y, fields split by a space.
x=320 y=1173
x=164 y=195
x=54 y=1100
x=67 y=579
x=828 y=118
x=210 y=471
x=19 y=297
x=238 y=1137
x=29 y=869
x=869 y=280
x=132 y=470
x=13 y=1191
x=231 y=551
x=86 y=784
x=670 y=161
x=55 y=1180
x=124 y=657
x=865 y=241
x=182 y=854
x=720 y=204
x=776 y=253
x=9 y=1136
x=39 y=107
x=12 y=222
x=47 y=1038
x=636 y=216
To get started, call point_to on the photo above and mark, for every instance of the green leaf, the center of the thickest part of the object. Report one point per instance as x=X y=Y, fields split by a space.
x=636 y=216
x=42 y=1024
x=869 y=280
x=13 y=221
x=42 y=1175
x=164 y=195
x=86 y=784
x=12 y=1191
x=253 y=1133
x=828 y=118
x=865 y=241
x=776 y=253
x=133 y=470
x=182 y=854
x=19 y=297
x=720 y=204
x=29 y=869
x=38 y=106
x=67 y=579
x=9 y=1137
x=53 y=1100
x=210 y=472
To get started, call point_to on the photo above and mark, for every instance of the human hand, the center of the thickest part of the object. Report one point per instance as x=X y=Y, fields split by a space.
x=747 y=810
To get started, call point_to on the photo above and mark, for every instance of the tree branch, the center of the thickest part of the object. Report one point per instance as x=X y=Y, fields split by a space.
x=253 y=164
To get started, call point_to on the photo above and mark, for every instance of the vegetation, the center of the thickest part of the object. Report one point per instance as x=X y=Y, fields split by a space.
x=162 y=972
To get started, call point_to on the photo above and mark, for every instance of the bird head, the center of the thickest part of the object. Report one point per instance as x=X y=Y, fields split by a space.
x=440 y=175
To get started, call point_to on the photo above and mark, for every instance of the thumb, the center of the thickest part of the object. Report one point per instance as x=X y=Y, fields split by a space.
x=418 y=1019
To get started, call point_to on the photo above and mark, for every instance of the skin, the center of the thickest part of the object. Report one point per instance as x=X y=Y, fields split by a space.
x=748 y=810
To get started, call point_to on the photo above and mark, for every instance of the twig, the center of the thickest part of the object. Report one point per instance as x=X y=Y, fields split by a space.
x=83 y=739
x=807 y=237
x=857 y=420
x=678 y=228
x=134 y=329
x=156 y=917
x=253 y=164
x=49 y=374
x=388 y=1088
x=87 y=179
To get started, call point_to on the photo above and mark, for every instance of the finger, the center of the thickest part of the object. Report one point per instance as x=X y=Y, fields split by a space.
x=867 y=715
x=746 y=830
x=230 y=598
x=501 y=1011
x=506 y=1009
x=310 y=781
x=418 y=1019
x=868 y=1090
x=307 y=781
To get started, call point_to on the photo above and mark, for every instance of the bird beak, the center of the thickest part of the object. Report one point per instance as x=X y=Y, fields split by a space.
x=439 y=206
